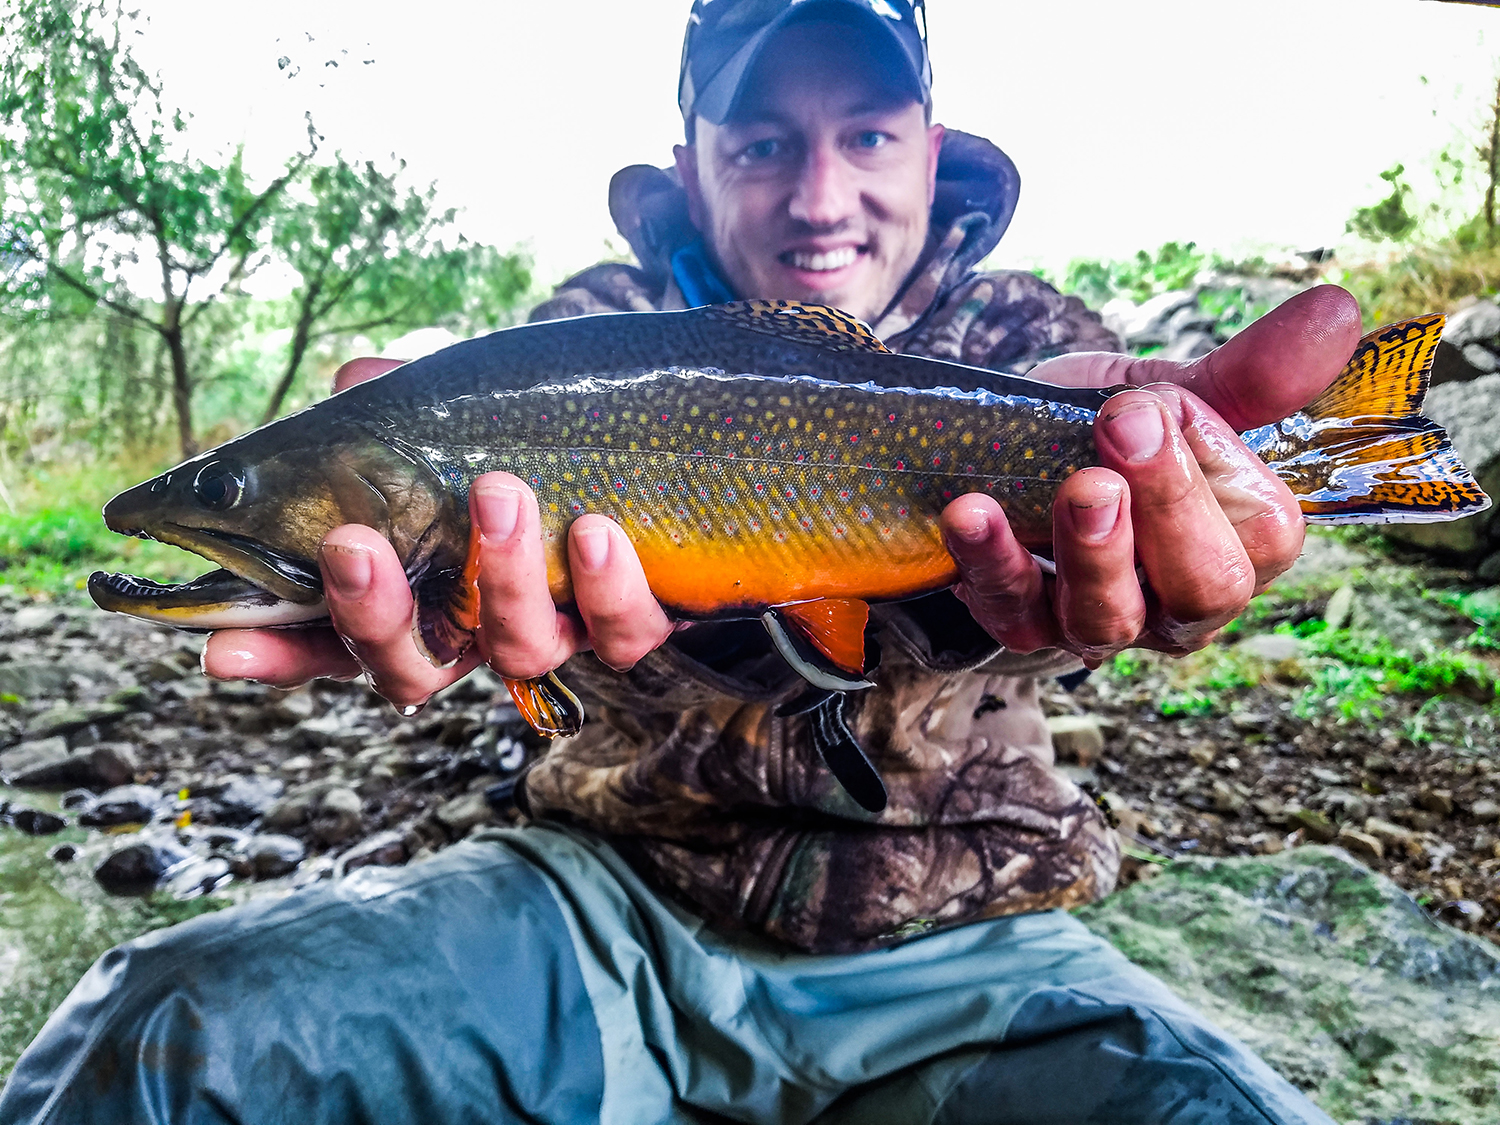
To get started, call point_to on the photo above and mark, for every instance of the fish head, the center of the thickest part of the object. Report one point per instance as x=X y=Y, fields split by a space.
x=260 y=506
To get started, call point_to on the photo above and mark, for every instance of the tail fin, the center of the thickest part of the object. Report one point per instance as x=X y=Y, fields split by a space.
x=1363 y=452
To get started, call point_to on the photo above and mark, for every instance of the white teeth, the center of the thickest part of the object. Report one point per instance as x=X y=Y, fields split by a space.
x=832 y=260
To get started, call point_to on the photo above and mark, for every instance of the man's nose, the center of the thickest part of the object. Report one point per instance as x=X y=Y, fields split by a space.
x=826 y=193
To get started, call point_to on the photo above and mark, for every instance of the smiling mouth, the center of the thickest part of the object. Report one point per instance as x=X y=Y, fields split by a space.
x=822 y=261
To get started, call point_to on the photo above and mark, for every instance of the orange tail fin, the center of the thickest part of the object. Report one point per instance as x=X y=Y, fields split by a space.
x=1363 y=452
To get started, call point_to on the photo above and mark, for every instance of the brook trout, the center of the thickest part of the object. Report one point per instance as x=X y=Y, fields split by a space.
x=767 y=459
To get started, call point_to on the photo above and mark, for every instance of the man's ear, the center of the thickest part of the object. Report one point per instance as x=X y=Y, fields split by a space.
x=934 y=146
x=686 y=157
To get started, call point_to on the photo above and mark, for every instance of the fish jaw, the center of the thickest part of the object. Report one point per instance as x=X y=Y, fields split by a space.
x=217 y=600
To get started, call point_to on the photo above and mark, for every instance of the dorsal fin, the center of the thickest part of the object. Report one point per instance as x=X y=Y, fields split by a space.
x=818 y=326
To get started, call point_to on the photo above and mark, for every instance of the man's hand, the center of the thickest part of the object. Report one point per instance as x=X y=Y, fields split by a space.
x=521 y=633
x=1176 y=489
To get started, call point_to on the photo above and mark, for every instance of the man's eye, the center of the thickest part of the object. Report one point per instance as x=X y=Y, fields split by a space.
x=760 y=150
x=872 y=138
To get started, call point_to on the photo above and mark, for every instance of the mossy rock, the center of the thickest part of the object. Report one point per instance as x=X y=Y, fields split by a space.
x=1331 y=973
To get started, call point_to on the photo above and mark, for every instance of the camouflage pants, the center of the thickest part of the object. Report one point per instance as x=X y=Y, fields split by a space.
x=530 y=976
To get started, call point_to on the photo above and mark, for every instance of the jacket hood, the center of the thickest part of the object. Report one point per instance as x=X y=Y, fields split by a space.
x=977 y=189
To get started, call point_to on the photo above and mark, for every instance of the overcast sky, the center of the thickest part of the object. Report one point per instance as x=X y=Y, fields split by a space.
x=1238 y=125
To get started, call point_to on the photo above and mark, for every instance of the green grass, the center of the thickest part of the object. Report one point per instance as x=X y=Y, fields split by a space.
x=56 y=537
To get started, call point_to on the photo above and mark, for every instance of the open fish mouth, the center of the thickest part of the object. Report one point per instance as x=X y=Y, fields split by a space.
x=219 y=599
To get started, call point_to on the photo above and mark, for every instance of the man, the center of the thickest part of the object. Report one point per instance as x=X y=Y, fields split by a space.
x=699 y=925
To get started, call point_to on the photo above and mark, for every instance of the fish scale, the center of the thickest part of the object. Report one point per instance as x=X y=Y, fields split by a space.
x=746 y=491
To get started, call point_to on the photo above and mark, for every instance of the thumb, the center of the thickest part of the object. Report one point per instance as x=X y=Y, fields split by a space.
x=1273 y=368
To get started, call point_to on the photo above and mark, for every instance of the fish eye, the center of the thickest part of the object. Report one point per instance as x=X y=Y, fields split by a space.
x=219 y=485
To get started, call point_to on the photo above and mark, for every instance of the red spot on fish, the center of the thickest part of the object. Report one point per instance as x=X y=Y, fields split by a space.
x=1020 y=486
x=843 y=494
x=937 y=460
x=544 y=418
x=853 y=438
x=1055 y=447
x=947 y=495
x=666 y=417
x=938 y=425
x=728 y=421
x=900 y=466
x=902 y=512
x=890 y=417
x=995 y=445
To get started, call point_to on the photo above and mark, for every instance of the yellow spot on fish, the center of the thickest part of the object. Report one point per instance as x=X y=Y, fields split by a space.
x=784 y=401
x=694 y=412
x=828 y=412
x=1029 y=454
x=968 y=439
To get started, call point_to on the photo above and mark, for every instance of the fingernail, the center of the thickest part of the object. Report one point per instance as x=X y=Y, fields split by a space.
x=1171 y=398
x=1096 y=521
x=498 y=509
x=1137 y=431
x=976 y=529
x=592 y=545
x=349 y=568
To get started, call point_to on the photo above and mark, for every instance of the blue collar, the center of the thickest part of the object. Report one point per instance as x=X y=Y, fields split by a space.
x=696 y=277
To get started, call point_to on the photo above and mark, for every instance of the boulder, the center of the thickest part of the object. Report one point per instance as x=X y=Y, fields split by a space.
x=1331 y=973
x=1470 y=412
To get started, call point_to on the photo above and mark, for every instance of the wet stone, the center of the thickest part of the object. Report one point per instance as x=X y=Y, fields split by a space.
x=384 y=849
x=34 y=822
x=137 y=867
x=1076 y=739
x=196 y=876
x=339 y=815
x=63 y=720
x=1485 y=811
x=272 y=855
x=1436 y=801
x=461 y=814
x=1361 y=845
x=33 y=762
x=62 y=853
x=125 y=804
x=240 y=799
x=1317 y=826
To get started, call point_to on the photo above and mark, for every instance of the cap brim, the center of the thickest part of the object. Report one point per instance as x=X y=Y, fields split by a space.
x=720 y=95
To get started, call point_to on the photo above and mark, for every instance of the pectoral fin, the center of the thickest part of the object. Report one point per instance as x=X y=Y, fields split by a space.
x=823 y=640
x=446 y=612
x=552 y=710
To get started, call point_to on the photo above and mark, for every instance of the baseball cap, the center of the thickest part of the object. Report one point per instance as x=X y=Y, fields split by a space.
x=725 y=37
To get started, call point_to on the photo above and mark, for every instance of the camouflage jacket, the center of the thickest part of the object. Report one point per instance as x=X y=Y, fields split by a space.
x=727 y=806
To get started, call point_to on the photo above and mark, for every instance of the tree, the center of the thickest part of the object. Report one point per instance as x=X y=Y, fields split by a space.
x=371 y=257
x=96 y=188
x=1389 y=218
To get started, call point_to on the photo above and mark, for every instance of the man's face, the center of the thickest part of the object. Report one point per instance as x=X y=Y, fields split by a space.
x=819 y=189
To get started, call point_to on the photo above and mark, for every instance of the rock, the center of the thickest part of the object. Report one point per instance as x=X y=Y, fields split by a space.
x=1485 y=811
x=35 y=822
x=1468 y=412
x=1192 y=344
x=240 y=799
x=112 y=764
x=1141 y=326
x=1436 y=801
x=1478 y=323
x=1339 y=608
x=1361 y=845
x=339 y=815
x=1271 y=808
x=34 y=619
x=1076 y=738
x=47 y=764
x=299 y=763
x=64 y=720
x=1480 y=358
x=1326 y=777
x=62 y=853
x=33 y=681
x=125 y=804
x=1203 y=753
x=34 y=763
x=1330 y=973
x=295 y=706
x=384 y=849
x=464 y=812
x=196 y=876
x=1275 y=647
x=1225 y=799
x=137 y=867
x=162 y=671
x=272 y=855
x=1316 y=826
